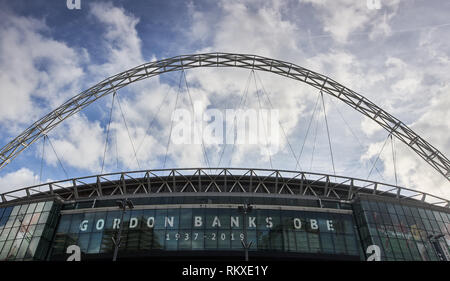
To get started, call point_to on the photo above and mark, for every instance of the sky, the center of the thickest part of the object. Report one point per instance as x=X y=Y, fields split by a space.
x=395 y=53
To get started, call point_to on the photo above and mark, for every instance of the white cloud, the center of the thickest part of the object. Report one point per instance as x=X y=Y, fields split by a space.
x=17 y=179
x=36 y=71
x=341 y=18
x=120 y=40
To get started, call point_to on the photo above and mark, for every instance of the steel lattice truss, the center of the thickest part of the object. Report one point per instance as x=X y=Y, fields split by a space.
x=213 y=181
x=321 y=82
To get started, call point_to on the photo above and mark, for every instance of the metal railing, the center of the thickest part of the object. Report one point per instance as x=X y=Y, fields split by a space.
x=205 y=180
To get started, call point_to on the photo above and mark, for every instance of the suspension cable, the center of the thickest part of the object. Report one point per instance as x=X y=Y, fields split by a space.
x=279 y=122
x=171 y=123
x=244 y=93
x=264 y=125
x=117 y=151
x=128 y=131
x=394 y=159
x=328 y=132
x=42 y=160
x=193 y=112
x=235 y=135
x=107 y=131
x=315 y=138
x=307 y=132
x=57 y=157
x=378 y=156
x=354 y=135
x=153 y=119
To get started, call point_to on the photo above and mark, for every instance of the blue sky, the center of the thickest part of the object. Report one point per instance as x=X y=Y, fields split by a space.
x=398 y=56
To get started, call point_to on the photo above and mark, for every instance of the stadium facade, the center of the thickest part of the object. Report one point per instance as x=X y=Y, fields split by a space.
x=193 y=214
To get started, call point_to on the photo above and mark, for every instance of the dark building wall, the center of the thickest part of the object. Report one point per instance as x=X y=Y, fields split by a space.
x=150 y=231
x=44 y=228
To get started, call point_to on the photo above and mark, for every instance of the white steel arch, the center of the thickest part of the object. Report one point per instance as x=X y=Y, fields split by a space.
x=321 y=82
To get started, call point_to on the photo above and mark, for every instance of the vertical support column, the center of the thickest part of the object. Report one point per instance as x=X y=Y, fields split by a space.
x=75 y=188
x=199 y=181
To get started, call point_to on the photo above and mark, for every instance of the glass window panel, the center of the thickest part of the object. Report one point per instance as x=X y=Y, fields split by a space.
x=422 y=213
x=365 y=205
x=186 y=218
x=39 y=229
x=158 y=239
x=88 y=217
x=23 y=248
x=396 y=249
x=414 y=251
x=394 y=219
x=58 y=244
x=435 y=226
x=276 y=240
x=4 y=234
x=349 y=228
x=404 y=248
x=35 y=218
x=83 y=241
x=174 y=218
x=107 y=245
x=185 y=240
x=5 y=250
x=398 y=209
x=291 y=241
x=110 y=218
x=369 y=217
x=17 y=220
x=350 y=242
x=198 y=239
x=339 y=244
x=314 y=244
x=210 y=239
x=427 y=225
x=386 y=219
x=437 y=216
x=23 y=209
x=15 y=210
x=96 y=222
x=390 y=208
x=14 y=249
x=407 y=211
x=252 y=238
x=6 y=214
x=64 y=224
x=445 y=217
x=172 y=238
x=31 y=208
x=94 y=243
x=373 y=206
x=430 y=214
x=48 y=206
x=415 y=212
x=43 y=217
x=236 y=237
x=327 y=243
x=39 y=207
x=160 y=218
x=224 y=216
x=224 y=239
x=410 y=221
x=264 y=240
x=12 y=233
